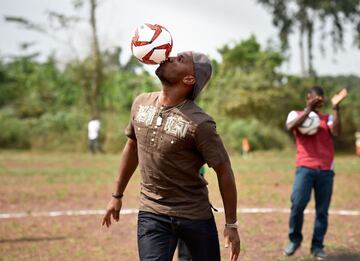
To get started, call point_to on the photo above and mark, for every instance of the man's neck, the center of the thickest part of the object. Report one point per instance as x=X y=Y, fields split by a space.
x=171 y=96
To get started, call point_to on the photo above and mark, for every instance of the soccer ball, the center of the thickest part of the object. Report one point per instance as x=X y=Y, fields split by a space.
x=311 y=125
x=151 y=44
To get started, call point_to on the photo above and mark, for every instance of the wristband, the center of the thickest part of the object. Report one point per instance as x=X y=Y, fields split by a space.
x=117 y=196
x=335 y=108
x=234 y=225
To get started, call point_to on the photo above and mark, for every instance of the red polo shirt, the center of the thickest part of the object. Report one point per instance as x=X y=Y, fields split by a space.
x=315 y=151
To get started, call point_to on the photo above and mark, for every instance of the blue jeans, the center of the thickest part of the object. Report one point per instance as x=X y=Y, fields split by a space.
x=158 y=236
x=305 y=180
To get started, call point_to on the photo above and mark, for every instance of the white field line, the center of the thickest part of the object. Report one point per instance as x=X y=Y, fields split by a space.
x=130 y=211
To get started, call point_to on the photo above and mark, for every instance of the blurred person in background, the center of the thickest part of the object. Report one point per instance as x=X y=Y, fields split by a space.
x=314 y=169
x=93 y=135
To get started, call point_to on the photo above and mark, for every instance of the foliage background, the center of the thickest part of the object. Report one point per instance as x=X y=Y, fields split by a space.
x=44 y=107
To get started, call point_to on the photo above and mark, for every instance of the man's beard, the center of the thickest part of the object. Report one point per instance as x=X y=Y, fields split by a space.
x=163 y=77
x=160 y=74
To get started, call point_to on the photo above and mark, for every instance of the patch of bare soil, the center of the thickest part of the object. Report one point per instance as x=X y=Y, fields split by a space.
x=263 y=237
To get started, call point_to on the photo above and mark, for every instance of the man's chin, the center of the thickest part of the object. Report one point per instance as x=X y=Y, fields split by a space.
x=160 y=70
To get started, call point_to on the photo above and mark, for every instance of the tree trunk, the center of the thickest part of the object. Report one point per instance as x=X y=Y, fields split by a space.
x=310 y=29
x=96 y=61
x=302 y=53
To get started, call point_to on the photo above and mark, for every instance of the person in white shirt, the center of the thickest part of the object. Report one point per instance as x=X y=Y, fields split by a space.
x=93 y=135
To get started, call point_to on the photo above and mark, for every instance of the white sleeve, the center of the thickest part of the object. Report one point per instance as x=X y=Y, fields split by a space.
x=330 y=120
x=291 y=116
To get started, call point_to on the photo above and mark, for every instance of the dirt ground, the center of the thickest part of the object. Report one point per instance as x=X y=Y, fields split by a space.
x=82 y=238
x=31 y=182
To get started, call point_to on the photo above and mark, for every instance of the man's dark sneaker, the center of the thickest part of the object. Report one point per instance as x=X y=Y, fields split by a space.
x=291 y=248
x=318 y=253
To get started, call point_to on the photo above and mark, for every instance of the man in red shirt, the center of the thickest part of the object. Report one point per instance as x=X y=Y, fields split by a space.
x=314 y=169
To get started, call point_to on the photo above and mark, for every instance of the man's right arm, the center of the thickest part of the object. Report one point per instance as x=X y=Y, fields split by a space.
x=299 y=120
x=128 y=164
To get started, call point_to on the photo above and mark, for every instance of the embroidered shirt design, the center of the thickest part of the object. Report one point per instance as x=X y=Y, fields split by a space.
x=176 y=125
x=145 y=114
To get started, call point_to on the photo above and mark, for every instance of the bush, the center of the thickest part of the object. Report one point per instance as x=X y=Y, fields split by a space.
x=112 y=131
x=261 y=136
x=62 y=130
x=15 y=133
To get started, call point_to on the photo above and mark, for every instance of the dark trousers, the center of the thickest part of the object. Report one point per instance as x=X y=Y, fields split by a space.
x=94 y=145
x=183 y=252
x=158 y=236
x=307 y=179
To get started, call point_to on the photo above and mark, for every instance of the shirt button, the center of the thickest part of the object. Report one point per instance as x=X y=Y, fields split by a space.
x=152 y=139
x=154 y=132
x=172 y=142
x=138 y=128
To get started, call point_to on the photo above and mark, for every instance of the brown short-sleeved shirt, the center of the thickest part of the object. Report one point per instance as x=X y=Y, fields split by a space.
x=171 y=154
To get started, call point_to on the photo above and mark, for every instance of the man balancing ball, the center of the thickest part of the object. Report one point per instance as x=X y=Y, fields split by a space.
x=314 y=167
x=170 y=138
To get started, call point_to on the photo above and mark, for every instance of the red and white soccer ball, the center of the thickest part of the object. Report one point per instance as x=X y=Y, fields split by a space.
x=311 y=124
x=151 y=44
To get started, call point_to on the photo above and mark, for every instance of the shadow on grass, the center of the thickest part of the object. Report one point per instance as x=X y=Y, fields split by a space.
x=30 y=239
x=343 y=257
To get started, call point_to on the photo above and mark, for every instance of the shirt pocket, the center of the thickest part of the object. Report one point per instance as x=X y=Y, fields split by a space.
x=170 y=144
x=141 y=133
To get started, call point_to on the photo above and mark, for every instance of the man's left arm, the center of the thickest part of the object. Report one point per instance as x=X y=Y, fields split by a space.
x=335 y=126
x=228 y=192
x=213 y=151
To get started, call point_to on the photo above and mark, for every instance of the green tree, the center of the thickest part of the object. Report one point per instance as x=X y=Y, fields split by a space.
x=305 y=16
x=247 y=83
x=58 y=21
x=247 y=95
x=31 y=88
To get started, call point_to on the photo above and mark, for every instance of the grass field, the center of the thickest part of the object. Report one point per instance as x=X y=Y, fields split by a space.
x=32 y=182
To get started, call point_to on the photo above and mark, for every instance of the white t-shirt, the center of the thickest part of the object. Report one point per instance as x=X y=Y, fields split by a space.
x=93 y=129
x=293 y=115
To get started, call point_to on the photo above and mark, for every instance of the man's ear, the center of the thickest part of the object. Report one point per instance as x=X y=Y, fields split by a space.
x=189 y=80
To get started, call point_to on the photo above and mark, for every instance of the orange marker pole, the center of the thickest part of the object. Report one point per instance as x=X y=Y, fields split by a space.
x=357 y=143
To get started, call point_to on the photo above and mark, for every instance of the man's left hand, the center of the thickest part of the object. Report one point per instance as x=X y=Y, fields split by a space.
x=232 y=239
x=337 y=98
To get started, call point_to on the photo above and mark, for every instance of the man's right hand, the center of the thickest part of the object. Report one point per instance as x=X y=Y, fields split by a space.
x=113 y=209
x=312 y=103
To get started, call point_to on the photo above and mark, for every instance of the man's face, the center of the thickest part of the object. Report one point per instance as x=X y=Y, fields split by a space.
x=312 y=95
x=175 y=68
